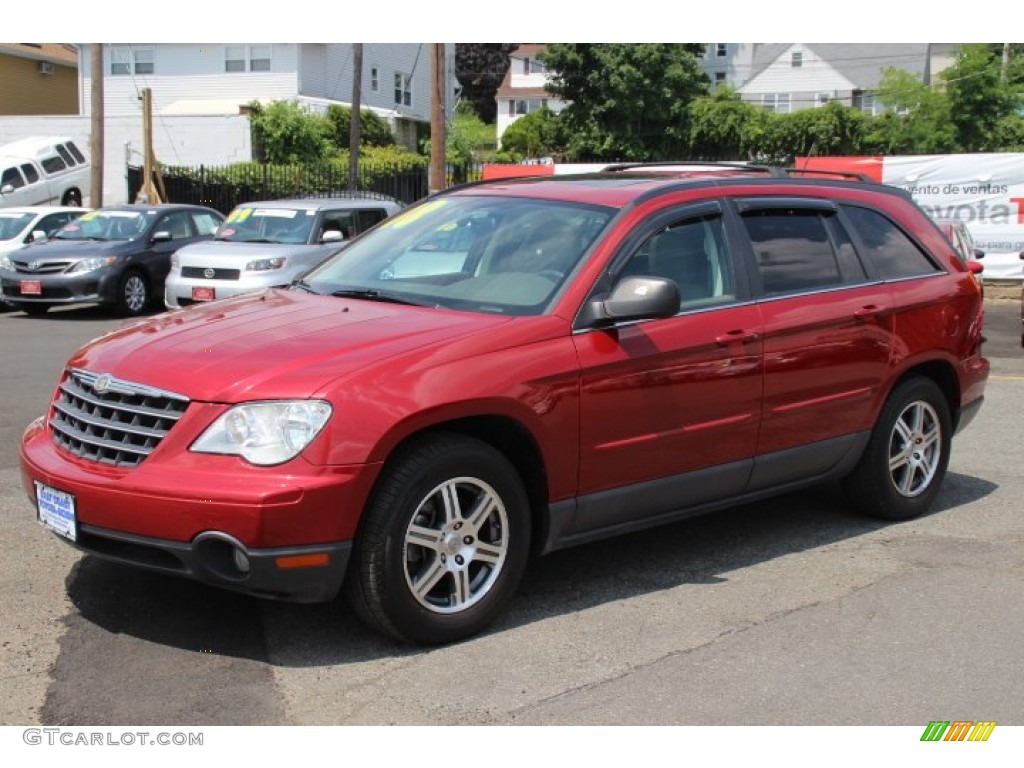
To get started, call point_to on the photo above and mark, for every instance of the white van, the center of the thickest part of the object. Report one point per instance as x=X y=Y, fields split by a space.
x=43 y=170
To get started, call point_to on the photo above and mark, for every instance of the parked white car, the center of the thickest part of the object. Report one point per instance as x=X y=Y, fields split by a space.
x=43 y=170
x=32 y=223
x=269 y=244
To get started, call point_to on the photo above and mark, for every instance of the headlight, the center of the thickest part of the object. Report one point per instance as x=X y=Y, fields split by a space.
x=5 y=263
x=262 y=265
x=93 y=263
x=265 y=433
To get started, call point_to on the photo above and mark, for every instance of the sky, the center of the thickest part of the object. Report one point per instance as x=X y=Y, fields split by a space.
x=865 y=21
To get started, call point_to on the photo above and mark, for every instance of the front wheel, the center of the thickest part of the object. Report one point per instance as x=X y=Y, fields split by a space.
x=132 y=295
x=444 y=542
x=905 y=461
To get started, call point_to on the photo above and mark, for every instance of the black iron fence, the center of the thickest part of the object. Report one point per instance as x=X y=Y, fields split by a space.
x=225 y=187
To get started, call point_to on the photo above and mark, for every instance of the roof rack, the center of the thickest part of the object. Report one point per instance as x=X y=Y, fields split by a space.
x=770 y=170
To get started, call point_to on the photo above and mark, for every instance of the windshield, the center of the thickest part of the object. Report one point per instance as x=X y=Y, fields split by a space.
x=267 y=225
x=103 y=225
x=482 y=254
x=12 y=223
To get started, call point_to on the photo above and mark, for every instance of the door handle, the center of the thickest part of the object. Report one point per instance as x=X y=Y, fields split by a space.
x=737 y=335
x=867 y=311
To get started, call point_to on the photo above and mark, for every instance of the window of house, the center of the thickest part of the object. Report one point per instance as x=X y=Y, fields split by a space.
x=535 y=67
x=234 y=58
x=403 y=89
x=526 y=106
x=143 y=61
x=721 y=49
x=776 y=102
x=866 y=102
x=120 y=61
x=259 y=58
x=374 y=79
x=797 y=59
x=719 y=77
x=526 y=66
x=822 y=99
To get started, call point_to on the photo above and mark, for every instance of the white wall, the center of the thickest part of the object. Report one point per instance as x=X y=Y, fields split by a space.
x=813 y=76
x=204 y=140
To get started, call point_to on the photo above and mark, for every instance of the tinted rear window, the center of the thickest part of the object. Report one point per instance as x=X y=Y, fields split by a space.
x=893 y=254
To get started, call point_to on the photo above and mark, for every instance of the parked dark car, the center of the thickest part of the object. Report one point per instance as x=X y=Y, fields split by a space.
x=118 y=256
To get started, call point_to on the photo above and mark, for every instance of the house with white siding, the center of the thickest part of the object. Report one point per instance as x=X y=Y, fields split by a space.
x=785 y=77
x=523 y=89
x=192 y=79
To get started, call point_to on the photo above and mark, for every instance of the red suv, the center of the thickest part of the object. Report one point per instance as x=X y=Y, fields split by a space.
x=520 y=366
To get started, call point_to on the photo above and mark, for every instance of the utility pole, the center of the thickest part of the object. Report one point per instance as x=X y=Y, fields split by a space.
x=96 y=139
x=437 y=180
x=355 y=124
x=148 y=192
x=1006 y=62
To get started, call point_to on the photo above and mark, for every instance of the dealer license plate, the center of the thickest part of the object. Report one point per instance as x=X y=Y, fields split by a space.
x=203 y=294
x=56 y=510
x=31 y=287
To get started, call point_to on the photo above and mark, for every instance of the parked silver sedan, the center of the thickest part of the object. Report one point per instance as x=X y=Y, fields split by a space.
x=269 y=244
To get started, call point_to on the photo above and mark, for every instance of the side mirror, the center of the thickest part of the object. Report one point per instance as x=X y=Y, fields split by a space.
x=161 y=237
x=635 y=298
x=975 y=267
x=331 y=236
x=36 y=236
x=979 y=254
x=6 y=189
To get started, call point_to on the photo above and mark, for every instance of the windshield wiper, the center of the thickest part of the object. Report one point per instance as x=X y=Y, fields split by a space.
x=371 y=294
x=304 y=286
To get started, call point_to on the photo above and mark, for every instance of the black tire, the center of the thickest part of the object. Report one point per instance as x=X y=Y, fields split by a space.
x=419 y=531
x=72 y=198
x=34 y=309
x=905 y=461
x=132 y=294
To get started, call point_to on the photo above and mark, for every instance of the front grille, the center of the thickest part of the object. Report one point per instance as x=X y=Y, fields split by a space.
x=218 y=273
x=22 y=266
x=112 y=421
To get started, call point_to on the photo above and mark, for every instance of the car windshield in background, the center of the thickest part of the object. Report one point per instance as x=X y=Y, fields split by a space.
x=103 y=225
x=482 y=254
x=12 y=223
x=267 y=225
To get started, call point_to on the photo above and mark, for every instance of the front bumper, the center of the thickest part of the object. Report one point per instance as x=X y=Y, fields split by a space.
x=282 y=532
x=96 y=287
x=178 y=290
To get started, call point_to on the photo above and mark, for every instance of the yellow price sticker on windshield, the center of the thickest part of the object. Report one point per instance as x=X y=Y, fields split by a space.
x=414 y=214
x=88 y=216
x=239 y=214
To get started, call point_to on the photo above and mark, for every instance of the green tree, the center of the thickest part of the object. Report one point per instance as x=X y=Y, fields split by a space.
x=373 y=129
x=538 y=134
x=283 y=132
x=480 y=68
x=468 y=137
x=724 y=127
x=629 y=101
x=916 y=120
x=980 y=99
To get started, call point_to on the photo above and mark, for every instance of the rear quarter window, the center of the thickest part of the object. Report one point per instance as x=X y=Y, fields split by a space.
x=887 y=247
x=53 y=164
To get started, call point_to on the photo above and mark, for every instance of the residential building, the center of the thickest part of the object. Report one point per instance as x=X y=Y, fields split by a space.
x=785 y=77
x=523 y=90
x=38 y=79
x=222 y=79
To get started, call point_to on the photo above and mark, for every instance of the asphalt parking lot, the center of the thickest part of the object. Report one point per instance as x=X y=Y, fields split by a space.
x=793 y=611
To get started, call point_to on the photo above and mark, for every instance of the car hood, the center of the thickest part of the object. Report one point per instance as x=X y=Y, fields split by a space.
x=222 y=253
x=274 y=344
x=62 y=250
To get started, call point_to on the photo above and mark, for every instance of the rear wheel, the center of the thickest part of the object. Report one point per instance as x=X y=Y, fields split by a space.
x=444 y=542
x=132 y=294
x=905 y=461
x=72 y=198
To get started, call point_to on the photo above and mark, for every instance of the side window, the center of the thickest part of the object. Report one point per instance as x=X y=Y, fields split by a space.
x=12 y=176
x=75 y=152
x=31 y=174
x=65 y=155
x=53 y=164
x=205 y=223
x=53 y=222
x=794 y=252
x=691 y=252
x=340 y=221
x=890 y=250
x=176 y=224
x=370 y=217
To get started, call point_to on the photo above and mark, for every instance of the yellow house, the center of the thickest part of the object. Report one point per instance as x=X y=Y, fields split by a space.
x=38 y=79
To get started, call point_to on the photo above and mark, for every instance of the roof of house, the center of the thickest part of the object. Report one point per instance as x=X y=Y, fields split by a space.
x=56 y=53
x=860 y=63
